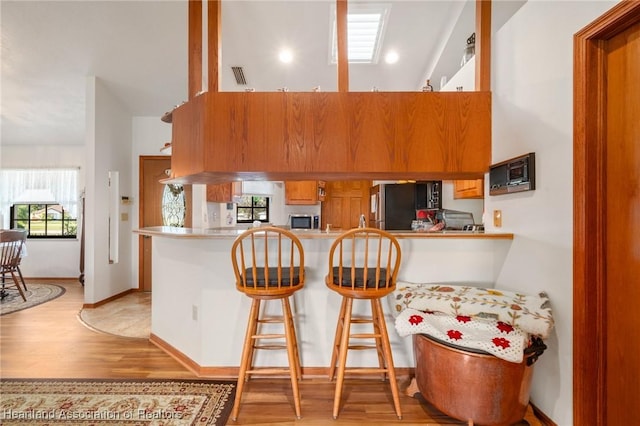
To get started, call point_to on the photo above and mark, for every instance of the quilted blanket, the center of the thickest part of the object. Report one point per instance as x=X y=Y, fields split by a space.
x=495 y=321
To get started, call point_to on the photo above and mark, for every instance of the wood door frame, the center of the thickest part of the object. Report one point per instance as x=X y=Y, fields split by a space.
x=141 y=208
x=589 y=208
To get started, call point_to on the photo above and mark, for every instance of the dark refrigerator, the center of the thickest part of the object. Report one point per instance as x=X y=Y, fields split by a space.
x=393 y=205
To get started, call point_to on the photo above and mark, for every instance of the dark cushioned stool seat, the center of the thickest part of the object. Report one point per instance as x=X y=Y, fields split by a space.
x=371 y=277
x=273 y=276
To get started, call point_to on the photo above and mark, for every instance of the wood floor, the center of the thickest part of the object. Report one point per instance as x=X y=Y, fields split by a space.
x=48 y=341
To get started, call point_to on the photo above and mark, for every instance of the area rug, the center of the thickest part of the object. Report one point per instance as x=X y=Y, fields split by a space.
x=127 y=316
x=127 y=402
x=36 y=294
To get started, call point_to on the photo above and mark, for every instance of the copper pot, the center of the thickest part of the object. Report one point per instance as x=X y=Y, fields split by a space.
x=471 y=386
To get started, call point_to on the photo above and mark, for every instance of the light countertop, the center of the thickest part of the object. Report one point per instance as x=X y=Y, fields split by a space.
x=233 y=232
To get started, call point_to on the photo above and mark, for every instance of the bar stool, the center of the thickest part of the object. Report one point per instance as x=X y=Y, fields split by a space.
x=363 y=264
x=268 y=263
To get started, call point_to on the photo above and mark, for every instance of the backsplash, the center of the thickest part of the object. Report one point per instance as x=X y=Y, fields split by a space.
x=219 y=216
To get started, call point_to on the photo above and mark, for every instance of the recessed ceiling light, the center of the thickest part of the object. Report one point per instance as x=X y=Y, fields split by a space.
x=391 y=57
x=285 y=56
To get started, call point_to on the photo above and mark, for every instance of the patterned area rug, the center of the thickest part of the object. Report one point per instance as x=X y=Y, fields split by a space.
x=36 y=294
x=122 y=402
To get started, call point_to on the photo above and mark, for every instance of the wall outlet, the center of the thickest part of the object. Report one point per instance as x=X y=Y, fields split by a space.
x=497 y=218
x=194 y=313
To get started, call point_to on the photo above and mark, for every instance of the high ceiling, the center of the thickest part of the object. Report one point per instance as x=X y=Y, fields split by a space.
x=139 y=50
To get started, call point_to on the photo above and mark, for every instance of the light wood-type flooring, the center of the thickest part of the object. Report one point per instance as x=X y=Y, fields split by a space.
x=49 y=341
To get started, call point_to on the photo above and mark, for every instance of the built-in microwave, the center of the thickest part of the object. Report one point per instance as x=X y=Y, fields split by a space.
x=304 y=221
x=513 y=175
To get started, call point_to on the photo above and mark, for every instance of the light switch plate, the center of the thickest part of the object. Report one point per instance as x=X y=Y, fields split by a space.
x=497 y=218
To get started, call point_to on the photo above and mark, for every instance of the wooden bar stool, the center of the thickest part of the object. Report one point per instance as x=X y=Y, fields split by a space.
x=268 y=263
x=363 y=264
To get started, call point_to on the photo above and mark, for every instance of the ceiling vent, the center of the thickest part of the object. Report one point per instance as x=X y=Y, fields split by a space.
x=238 y=73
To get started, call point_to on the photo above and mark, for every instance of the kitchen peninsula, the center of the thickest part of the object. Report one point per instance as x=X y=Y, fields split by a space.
x=198 y=316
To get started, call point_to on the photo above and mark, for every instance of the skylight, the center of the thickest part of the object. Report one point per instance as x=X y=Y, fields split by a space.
x=365 y=28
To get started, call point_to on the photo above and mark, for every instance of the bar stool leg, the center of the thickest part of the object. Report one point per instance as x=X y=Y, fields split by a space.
x=386 y=347
x=255 y=330
x=290 y=337
x=247 y=351
x=337 y=339
x=377 y=332
x=295 y=341
x=342 y=361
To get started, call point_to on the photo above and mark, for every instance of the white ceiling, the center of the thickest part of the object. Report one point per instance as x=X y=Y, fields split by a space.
x=139 y=50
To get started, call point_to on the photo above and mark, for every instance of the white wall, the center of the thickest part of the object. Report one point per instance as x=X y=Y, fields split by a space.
x=532 y=112
x=40 y=262
x=108 y=145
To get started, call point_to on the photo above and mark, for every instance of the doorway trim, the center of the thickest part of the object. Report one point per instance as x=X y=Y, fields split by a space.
x=589 y=208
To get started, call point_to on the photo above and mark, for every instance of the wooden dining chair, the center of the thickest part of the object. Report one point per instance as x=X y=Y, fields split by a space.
x=11 y=246
x=268 y=263
x=363 y=264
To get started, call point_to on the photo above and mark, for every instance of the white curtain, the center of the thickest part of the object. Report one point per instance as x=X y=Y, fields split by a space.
x=27 y=185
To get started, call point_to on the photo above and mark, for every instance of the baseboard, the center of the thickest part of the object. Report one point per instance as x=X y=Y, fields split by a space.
x=75 y=279
x=108 y=299
x=544 y=419
x=187 y=362
x=232 y=372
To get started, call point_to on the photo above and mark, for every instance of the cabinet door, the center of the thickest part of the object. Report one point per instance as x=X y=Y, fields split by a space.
x=301 y=192
x=346 y=201
x=223 y=192
x=468 y=189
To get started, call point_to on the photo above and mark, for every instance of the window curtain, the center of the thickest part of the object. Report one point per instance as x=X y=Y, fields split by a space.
x=26 y=185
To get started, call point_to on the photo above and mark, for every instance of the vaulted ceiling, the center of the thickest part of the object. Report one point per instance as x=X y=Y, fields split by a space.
x=139 y=50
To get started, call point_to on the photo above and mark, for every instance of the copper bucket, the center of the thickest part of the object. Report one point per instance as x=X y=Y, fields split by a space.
x=472 y=385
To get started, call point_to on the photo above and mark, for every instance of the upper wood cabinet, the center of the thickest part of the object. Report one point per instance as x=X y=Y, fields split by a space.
x=304 y=192
x=468 y=189
x=284 y=136
x=223 y=192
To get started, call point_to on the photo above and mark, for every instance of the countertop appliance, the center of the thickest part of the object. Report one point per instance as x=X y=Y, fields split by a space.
x=393 y=205
x=304 y=221
x=456 y=220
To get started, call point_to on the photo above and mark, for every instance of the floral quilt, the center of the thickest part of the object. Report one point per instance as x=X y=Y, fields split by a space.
x=496 y=321
x=495 y=337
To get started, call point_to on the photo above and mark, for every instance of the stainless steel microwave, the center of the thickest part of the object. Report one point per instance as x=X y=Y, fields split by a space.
x=514 y=175
x=304 y=221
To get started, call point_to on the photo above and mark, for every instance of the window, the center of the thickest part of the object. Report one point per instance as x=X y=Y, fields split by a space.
x=42 y=201
x=44 y=220
x=365 y=30
x=251 y=208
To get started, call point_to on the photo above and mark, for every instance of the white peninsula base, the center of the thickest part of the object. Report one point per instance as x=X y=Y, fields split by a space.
x=199 y=317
